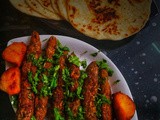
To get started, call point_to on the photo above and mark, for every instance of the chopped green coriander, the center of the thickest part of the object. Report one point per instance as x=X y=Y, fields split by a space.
x=110 y=72
x=37 y=62
x=102 y=80
x=45 y=40
x=95 y=53
x=63 y=48
x=33 y=81
x=44 y=91
x=50 y=60
x=69 y=113
x=66 y=75
x=59 y=51
x=99 y=101
x=103 y=65
x=80 y=115
x=68 y=82
x=49 y=81
x=81 y=82
x=33 y=118
x=57 y=115
x=84 y=63
x=44 y=79
x=35 y=78
x=75 y=60
x=116 y=82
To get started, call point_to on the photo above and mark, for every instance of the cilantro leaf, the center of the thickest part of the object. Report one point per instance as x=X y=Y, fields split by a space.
x=57 y=114
x=103 y=65
x=95 y=54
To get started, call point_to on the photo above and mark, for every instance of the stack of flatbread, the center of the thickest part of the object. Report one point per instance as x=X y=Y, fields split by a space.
x=99 y=19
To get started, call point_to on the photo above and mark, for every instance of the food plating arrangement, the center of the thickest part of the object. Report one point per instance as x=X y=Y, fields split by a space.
x=79 y=60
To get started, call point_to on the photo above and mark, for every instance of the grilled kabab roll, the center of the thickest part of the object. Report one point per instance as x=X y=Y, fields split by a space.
x=74 y=74
x=90 y=91
x=25 y=109
x=105 y=91
x=73 y=102
x=41 y=101
x=58 y=92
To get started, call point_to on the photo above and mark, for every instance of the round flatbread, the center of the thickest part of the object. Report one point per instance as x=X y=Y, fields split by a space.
x=62 y=7
x=46 y=4
x=40 y=9
x=108 y=19
x=23 y=7
x=54 y=6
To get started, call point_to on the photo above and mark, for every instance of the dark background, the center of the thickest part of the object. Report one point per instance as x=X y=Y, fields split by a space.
x=137 y=57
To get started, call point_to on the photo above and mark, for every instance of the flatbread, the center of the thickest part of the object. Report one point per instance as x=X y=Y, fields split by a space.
x=54 y=6
x=38 y=8
x=62 y=7
x=23 y=7
x=46 y=4
x=108 y=19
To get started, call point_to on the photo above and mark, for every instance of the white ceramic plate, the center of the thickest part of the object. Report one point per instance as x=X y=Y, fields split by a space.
x=79 y=47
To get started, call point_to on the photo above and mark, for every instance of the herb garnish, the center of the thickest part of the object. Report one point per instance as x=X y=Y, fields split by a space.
x=84 y=63
x=81 y=81
x=49 y=81
x=36 y=62
x=68 y=82
x=45 y=40
x=103 y=65
x=33 y=118
x=95 y=53
x=79 y=116
x=99 y=101
x=71 y=96
x=33 y=81
x=116 y=82
x=57 y=114
x=59 y=51
x=63 y=48
x=75 y=60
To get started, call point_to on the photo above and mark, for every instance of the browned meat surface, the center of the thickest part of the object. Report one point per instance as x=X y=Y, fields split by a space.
x=75 y=74
x=58 y=93
x=74 y=106
x=26 y=97
x=40 y=107
x=105 y=90
x=25 y=68
x=35 y=45
x=26 y=102
x=51 y=47
x=41 y=102
x=90 y=91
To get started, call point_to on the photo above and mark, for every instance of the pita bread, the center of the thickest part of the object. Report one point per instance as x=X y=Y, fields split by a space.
x=54 y=6
x=23 y=7
x=62 y=7
x=41 y=10
x=108 y=19
x=46 y=4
